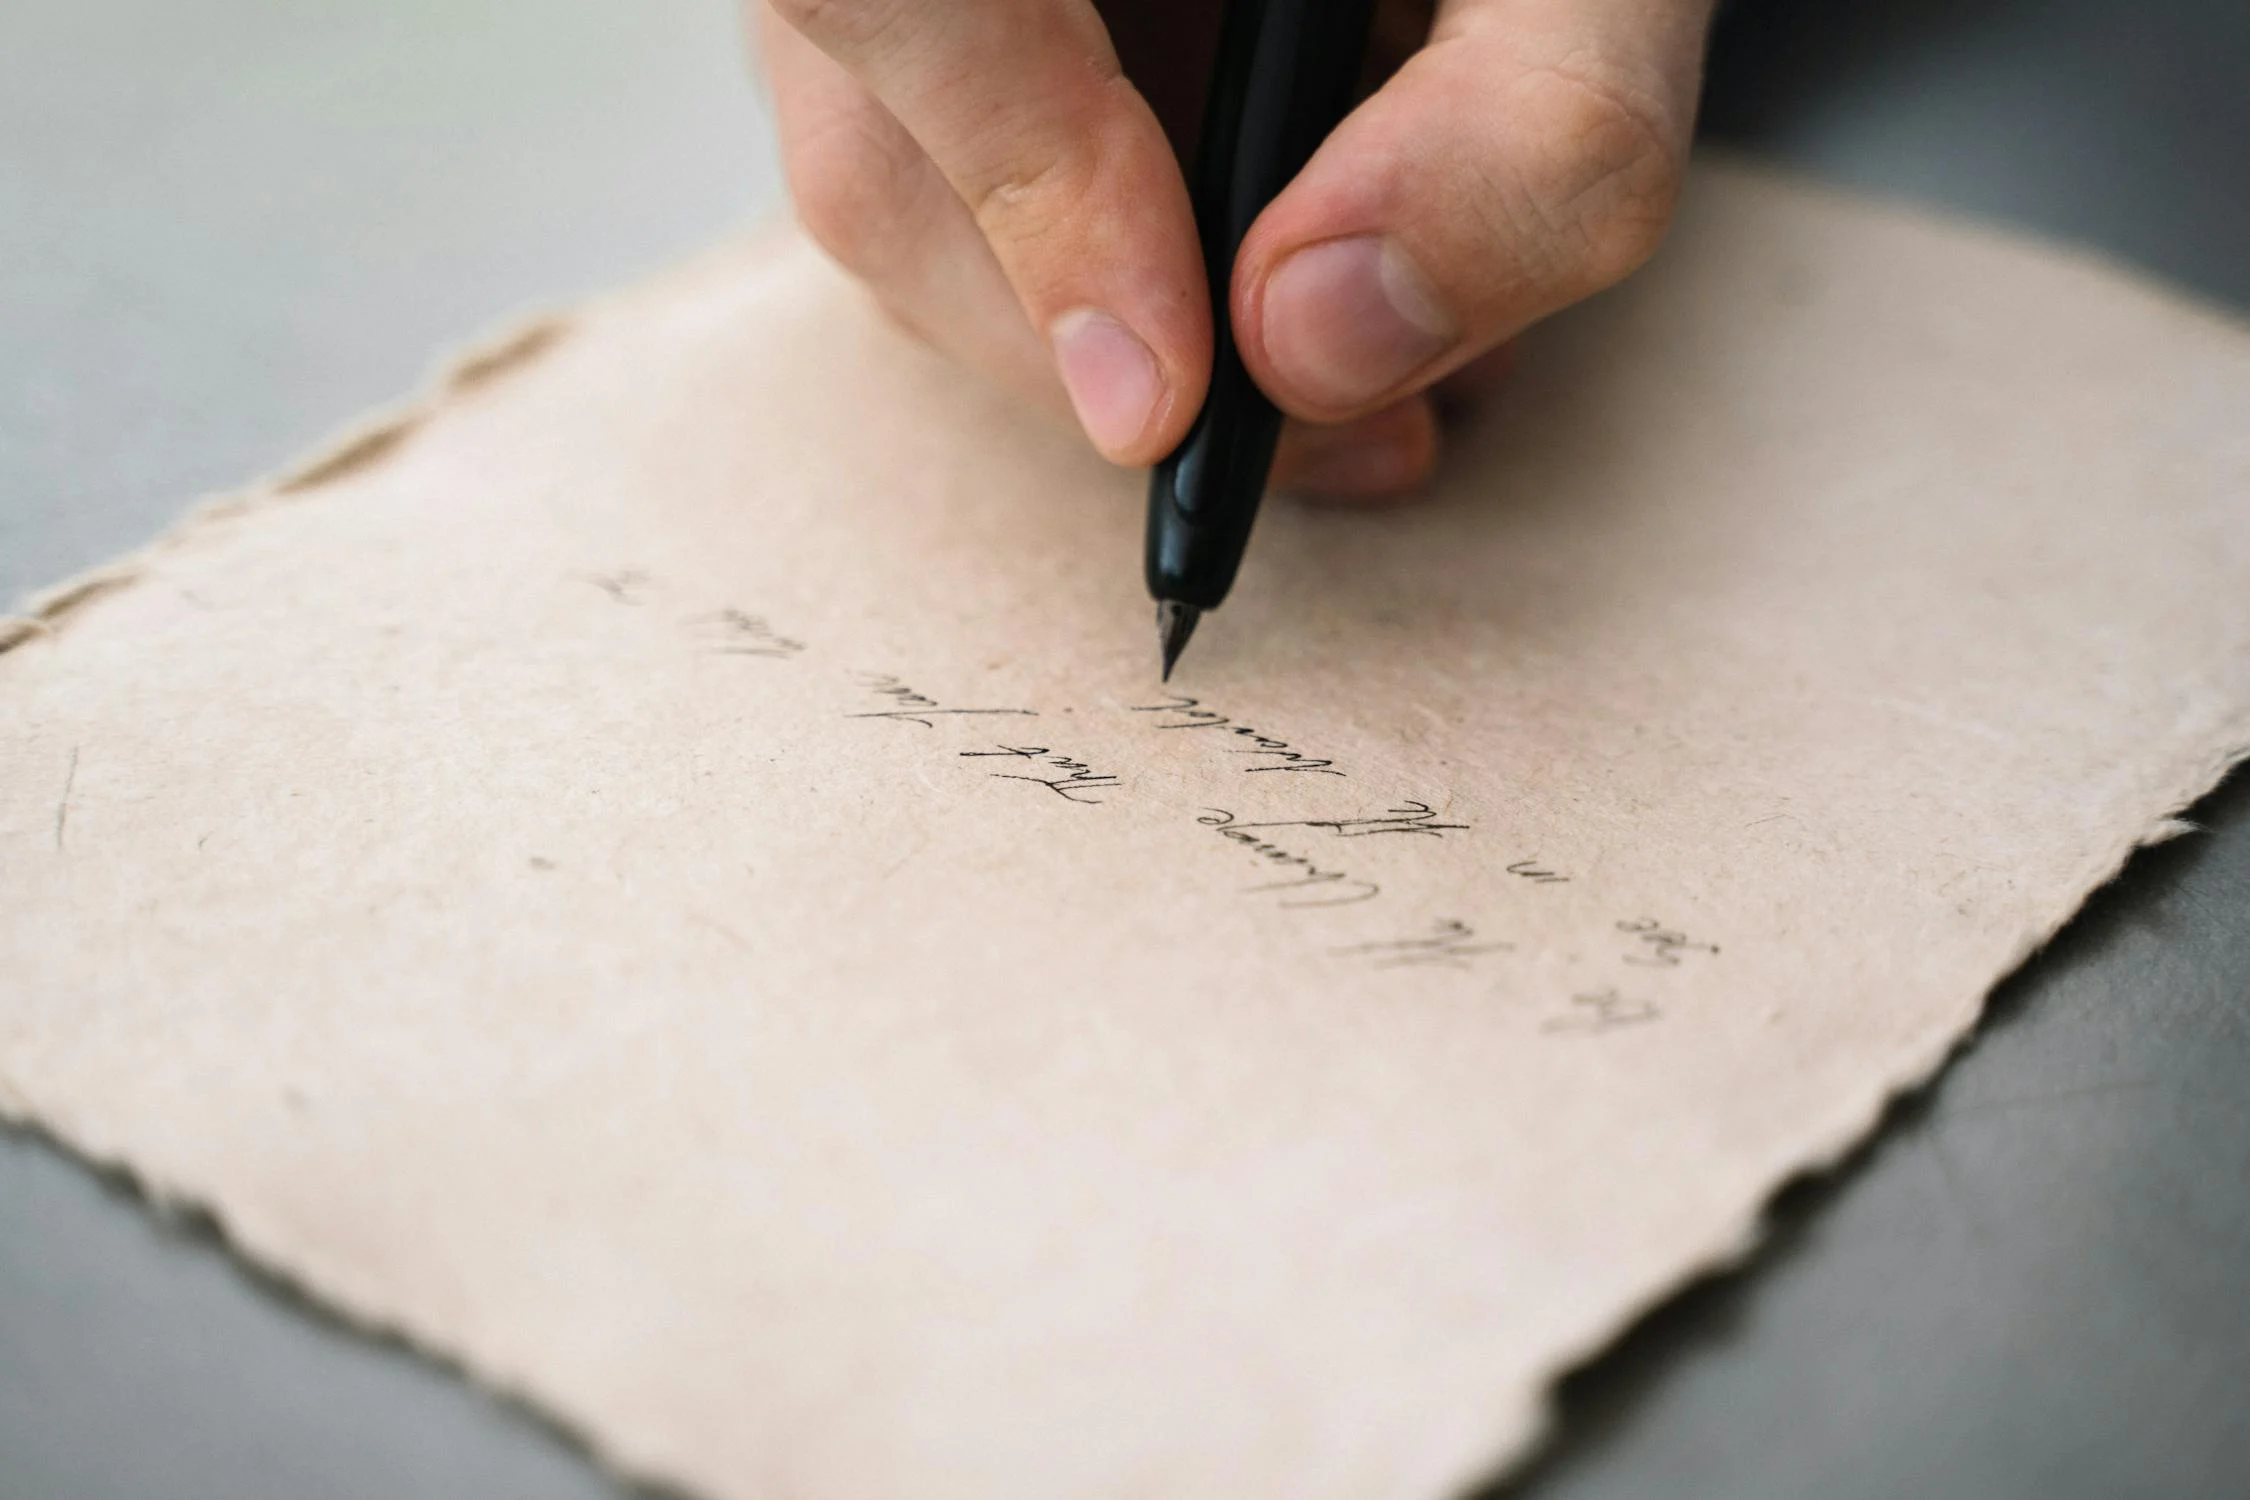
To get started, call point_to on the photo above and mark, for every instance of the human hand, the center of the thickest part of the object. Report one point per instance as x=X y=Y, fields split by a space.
x=1002 y=175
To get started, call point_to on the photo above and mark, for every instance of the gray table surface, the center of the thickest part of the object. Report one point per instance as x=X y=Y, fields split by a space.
x=225 y=225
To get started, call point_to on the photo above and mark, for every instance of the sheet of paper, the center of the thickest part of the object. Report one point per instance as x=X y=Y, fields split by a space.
x=663 y=871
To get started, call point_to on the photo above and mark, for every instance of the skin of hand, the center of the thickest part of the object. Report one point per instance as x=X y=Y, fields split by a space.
x=1005 y=176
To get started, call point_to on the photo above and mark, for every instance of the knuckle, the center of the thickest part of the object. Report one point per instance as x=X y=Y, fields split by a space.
x=854 y=193
x=1040 y=171
x=1036 y=188
x=1601 y=189
x=1025 y=197
x=841 y=25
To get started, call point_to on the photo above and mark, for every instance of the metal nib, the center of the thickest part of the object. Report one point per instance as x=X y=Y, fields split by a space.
x=1175 y=622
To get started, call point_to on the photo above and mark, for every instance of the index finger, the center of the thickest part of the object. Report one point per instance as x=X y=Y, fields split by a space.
x=1023 y=109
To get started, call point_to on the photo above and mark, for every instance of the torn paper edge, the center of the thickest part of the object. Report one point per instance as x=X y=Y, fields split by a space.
x=367 y=1311
x=521 y=342
x=365 y=441
x=186 y=1215
x=513 y=344
x=1864 y=1124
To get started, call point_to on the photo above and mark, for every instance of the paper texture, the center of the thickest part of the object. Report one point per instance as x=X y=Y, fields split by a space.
x=664 y=872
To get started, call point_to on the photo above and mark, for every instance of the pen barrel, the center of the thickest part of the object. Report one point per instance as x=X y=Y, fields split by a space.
x=1284 y=76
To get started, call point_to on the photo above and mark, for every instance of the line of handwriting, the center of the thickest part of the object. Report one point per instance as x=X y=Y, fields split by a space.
x=732 y=632
x=1660 y=947
x=911 y=706
x=1450 y=944
x=1076 y=781
x=1593 y=1012
x=1335 y=887
x=1412 y=817
x=1188 y=713
x=624 y=586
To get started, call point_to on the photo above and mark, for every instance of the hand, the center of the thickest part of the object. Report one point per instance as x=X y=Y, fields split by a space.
x=1002 y=174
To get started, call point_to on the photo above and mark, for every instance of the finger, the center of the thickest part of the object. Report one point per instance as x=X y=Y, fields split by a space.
x=1390 y=454
x=873 y=199
x=1527 y=157
x=1385 y=455
x=1470 y=386
x=1063 y=169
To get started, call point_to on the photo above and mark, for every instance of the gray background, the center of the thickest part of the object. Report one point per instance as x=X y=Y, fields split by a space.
x=225 y=225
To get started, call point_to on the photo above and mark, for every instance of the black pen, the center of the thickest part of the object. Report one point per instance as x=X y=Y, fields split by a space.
x=1284 y=77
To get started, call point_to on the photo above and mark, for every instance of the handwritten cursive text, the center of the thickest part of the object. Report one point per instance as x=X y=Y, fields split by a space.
x=1450 y=945
x=1188 y=713
x=914 y=707
x=1078 y=778
x=1337 y=887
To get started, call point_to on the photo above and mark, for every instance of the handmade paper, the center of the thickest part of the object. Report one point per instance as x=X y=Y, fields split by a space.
x=663 y=871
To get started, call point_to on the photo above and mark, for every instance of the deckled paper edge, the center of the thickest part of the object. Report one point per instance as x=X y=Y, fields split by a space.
x=519 y=342
x=181 y=1213
x=511 y=344
x=1863 y=1129
x=364 y=1310
x=367 y=439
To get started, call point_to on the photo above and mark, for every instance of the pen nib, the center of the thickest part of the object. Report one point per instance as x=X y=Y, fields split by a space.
x=1175 y=622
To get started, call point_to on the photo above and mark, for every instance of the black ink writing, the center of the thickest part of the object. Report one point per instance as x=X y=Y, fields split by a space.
x=1414 y=817
x=62 y=803
x=1188 y=713
x=1078 y=778
x=1597 y=1011
x=730 y=632
x=1449 y=945
x=1336 y=887
x=1659 y=946
x=914 y=707
x=625 y=586
x=1529 y=869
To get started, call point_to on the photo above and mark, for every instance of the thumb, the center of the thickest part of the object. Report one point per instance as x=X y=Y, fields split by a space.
x=1527 y=157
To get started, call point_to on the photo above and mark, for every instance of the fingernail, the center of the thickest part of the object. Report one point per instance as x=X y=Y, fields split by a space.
x=1112 y=378
x=1347 y=320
